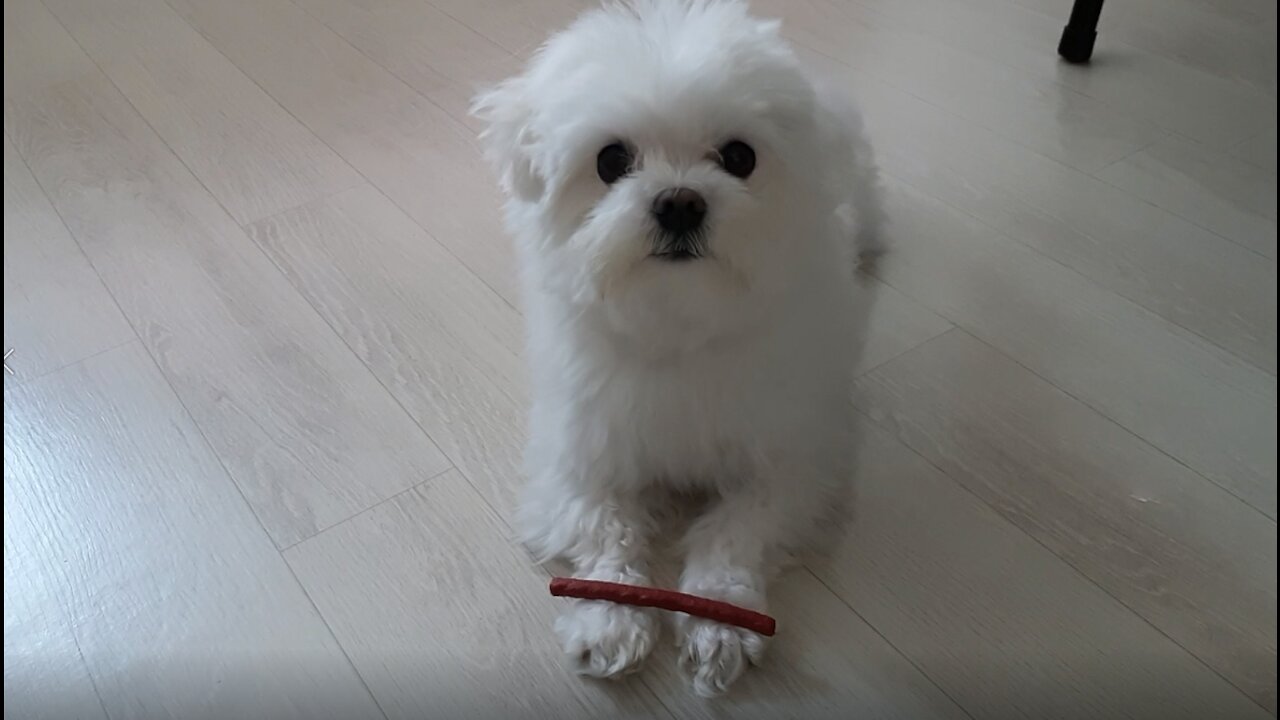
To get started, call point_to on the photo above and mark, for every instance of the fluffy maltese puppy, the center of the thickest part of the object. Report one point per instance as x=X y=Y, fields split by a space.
x=687 y=210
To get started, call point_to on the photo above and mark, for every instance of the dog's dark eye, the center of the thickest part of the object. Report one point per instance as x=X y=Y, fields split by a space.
x=737 y=158
x=613 y=162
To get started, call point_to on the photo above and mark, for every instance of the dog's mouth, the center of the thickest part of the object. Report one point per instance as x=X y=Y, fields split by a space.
x=680 y=248
x=676 y=256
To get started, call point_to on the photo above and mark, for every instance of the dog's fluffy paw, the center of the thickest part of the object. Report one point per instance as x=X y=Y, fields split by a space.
x=717 y=654
x=605 y=640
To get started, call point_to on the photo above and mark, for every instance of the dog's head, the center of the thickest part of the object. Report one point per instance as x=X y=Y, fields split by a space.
x=660 y=158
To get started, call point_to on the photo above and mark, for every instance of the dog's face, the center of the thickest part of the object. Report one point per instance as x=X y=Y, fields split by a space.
x=660 y=160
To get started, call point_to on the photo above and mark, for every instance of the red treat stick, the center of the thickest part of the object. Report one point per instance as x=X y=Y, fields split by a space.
x=664 y=600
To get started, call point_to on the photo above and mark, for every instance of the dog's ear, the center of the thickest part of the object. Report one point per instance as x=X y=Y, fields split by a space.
x=508 y=137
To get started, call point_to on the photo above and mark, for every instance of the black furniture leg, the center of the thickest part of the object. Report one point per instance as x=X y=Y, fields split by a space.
x=1076 y=45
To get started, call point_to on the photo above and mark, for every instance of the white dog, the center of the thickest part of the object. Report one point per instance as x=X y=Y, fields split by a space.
x=686 y=207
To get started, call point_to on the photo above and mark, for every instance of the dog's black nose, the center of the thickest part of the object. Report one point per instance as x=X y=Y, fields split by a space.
x=679 y=210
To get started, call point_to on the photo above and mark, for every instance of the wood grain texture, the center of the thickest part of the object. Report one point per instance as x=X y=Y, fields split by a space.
x=441 y=58
x=1056 y=121
x=38 y=54
x=177 y=599
x=1003 y=627
x=1193 y=560
x=308 y=434
x=1136 y=86
x=517 y=27
x=442 y=342
x=1213 y=190
x=254 y=158
x=1259 y=150
x=56 y=310
x=469 y=637
x=892 y=322
x=1155 y=379
x=45 y=677
x=405 y=145
x=1184 y=273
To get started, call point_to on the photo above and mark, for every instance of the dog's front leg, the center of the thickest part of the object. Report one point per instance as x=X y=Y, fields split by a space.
x=602 y=639
x=592 y=517
x=734 y=550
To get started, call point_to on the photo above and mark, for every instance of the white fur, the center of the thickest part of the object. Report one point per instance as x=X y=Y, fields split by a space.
x=726 y=375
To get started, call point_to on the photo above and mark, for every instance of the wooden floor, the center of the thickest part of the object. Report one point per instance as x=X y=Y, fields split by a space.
x=262 y=431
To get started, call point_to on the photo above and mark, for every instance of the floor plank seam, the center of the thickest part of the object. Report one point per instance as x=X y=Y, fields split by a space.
x=963 y=326
x=1197 y=336
x=423 y=483
x=808 y=568
x=283 y=279
x=458 y=121
x=1079 y=573
x=258 y=248
x=357 y=170
x=329 y=628
x=1189 y=221
x=21 y=382
x=262 y=527
x=62 y=221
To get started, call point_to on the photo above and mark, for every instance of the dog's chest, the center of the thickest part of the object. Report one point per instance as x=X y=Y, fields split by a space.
x=694 y=425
